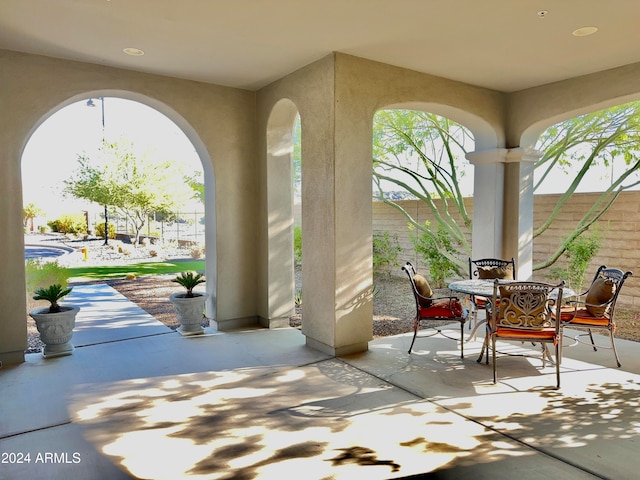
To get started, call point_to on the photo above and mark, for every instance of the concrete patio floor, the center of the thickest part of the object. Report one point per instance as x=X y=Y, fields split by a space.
x=137 y=400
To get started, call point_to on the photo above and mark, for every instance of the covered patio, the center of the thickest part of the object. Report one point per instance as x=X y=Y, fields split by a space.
x=238 y=110
x=254 y=399
x=137 y=400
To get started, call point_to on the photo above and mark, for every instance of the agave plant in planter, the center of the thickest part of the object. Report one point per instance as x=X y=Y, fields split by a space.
x=189 y=306
x=55 y=322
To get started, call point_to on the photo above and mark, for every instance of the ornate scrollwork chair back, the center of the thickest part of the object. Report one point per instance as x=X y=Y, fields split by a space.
x=488 y=269
x=525 y=314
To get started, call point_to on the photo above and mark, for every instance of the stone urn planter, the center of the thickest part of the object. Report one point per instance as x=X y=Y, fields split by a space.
x=56 y=322
x=189 y=306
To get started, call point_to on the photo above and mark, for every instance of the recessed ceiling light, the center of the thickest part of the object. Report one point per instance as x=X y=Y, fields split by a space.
x=136 y=52
x=584 y=31
x=543 y=13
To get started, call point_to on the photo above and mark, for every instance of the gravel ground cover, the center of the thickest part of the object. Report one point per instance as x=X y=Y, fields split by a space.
x=393 y=305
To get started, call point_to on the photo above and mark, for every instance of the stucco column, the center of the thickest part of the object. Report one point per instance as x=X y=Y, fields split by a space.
x=518 y=208
x=488 y=202
x=337 y=279
x=13 y=325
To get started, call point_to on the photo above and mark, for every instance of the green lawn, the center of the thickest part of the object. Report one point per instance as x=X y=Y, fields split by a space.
x=106 y=272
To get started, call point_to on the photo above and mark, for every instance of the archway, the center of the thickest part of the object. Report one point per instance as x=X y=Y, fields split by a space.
x=188 y=137
x=280 y=291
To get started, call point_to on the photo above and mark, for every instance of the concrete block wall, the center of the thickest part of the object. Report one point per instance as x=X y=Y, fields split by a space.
x=620 y=229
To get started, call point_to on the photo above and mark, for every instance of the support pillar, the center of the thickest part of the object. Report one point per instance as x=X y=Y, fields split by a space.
x=13 y=316
x=488 y=202
x=337 y=267
x=518 y=209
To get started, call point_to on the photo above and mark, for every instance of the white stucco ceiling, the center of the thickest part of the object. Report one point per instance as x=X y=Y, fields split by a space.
x=499 y=44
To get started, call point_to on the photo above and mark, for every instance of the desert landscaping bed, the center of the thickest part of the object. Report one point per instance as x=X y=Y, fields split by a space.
x=393 y=306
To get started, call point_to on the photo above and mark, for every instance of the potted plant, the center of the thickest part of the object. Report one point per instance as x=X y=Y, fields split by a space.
x=189 y=306
x=55 y=322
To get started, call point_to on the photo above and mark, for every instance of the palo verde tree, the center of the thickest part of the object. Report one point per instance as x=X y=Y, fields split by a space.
x=134 y=185
x=437 y=147
x=581 y=143
x=422 y=153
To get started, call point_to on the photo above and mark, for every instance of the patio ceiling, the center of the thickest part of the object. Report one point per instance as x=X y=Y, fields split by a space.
x=498 y=44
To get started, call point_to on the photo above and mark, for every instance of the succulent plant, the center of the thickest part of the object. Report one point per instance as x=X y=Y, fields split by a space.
x=52 y=294
x=189 y=280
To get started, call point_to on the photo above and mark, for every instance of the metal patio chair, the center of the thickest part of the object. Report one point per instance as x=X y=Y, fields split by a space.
x=433 y=310
x=595 y=308
x=525 y=314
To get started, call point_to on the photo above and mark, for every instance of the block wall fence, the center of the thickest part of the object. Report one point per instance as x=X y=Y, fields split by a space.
x=619 y=227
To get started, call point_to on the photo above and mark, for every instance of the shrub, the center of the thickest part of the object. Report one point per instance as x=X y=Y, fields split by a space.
x=197 y=251
x=40 y=274
x=434 y=250
x=100 y=230
x=69 y=223
x=297 y=245
x=298 y=298
x=579 y=253
x=125 y=250
x=385 y=251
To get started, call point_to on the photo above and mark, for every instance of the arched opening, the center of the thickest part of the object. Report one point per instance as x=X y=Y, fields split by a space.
x=426 y=184
x=585 y=182
x=158 y=133
x=281 y=194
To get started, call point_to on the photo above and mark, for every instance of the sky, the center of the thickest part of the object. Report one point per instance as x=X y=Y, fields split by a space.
x=51 y=154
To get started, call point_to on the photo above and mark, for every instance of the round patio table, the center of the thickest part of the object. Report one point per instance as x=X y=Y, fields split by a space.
x=484 y=288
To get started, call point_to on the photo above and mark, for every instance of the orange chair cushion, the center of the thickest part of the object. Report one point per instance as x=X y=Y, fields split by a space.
x=544 y=334
x=490 y=273
x=567 y=313
x=442 y=309
x=581 y=316
x=601 y=291
x=424 y=289
x=481 y=302
x=589 y=320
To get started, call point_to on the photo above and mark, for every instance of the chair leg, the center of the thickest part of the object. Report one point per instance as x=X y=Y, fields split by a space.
x=559 y=352
x=613 y=347
x=558 y=364
x=592 y=342
x=415 y=332
x=495 y=368
x=485 y=348
x=461 y=339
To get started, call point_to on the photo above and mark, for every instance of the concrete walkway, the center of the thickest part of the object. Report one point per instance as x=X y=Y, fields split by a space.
x=137 y=400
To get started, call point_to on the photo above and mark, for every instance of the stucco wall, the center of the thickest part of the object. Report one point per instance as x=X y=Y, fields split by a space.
x=620 y=229
x=336 y=97
x=219 y=121
x=532 y=110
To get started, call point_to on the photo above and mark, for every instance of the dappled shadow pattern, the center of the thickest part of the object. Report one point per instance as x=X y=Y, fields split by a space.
x=362 y=456
x=335 y=421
